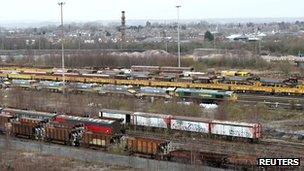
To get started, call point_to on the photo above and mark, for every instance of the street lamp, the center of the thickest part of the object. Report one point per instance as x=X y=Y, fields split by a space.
x=178 y=38
x=62 y=45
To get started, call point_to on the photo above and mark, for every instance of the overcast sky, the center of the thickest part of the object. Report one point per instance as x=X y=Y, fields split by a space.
x=92 y=10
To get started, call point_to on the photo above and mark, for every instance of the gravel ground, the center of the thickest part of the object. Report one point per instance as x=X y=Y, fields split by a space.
x=29 y=161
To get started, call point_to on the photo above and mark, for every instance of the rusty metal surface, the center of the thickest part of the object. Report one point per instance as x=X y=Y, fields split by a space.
x=93 y=139
x=23 y=129
x=57 y=133
x=143 y=145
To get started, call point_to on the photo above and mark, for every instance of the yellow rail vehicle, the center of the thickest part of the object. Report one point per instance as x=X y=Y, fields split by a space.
x=218 y=86
x=20 y=76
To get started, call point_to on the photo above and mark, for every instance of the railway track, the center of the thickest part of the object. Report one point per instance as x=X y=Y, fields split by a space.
x=271 y=148
x=270 y=101
x=93 y=155
x=297 y=91
x=273 y=101
x=272 y=98
x=264 y=148
x=195 y=142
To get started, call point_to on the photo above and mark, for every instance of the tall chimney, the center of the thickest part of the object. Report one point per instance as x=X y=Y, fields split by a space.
x=123 y=26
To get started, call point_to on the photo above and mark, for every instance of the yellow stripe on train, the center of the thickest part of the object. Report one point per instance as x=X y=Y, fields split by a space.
x=218 y=86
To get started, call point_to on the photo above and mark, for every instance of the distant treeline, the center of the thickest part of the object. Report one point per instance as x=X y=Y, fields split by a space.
x=121 y=60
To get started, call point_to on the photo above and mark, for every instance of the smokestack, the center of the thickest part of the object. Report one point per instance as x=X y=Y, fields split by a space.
x=123 y=26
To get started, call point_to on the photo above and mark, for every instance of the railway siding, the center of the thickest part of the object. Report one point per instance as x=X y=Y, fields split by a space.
x=218 y=86
x=99 y=156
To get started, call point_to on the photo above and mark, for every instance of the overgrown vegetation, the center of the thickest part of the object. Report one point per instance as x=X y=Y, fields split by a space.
x=115 y=60
x=260 y=112
x=248 y=63
x=90 y=104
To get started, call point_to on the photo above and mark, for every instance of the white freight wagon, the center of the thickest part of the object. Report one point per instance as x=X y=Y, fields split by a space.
x=190 y=124
x=116 y=114
x=151 y=120
x=236 y=129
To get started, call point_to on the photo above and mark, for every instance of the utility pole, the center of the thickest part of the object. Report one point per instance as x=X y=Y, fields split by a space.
x=178 y=38
x=62 y=45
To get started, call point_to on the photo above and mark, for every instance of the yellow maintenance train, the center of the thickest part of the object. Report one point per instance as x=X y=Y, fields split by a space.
x=94 y=78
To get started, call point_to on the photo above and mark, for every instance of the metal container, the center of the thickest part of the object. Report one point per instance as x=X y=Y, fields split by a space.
x=28 y=114
x=151 y=120
x=115 y=89
x=51 y=85
x=155 y=92
x=152 y=90
x=82 y=86
x=175 y=69
x=23 y=83
x=145 y=68
x=105 y=126
x=57 y=133
x=4 y=120
x=23 y=129
x=145 y=146
x=197 y=157
x=190 y=124
x=242 y=160
x=95 y=140
x=116 y=114
x=236 y=129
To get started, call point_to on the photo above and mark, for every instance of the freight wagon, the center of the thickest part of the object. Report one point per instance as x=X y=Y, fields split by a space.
x=139 y=119
x=236 y=73
x=290 y=82
x=125 y=116
x=51 y=85
x=238 y=80
x=25 y=114
x=116 y=89
x=102 y=125
x=190 y=124
x=193 y=94
x=33 y=72
x=293 y=87
x=236 y=129
x=155 y=92
x=150 y=120
x=62 y=133
x=201 y=126
x=70 y=132
x=168 y=78
x=61 y=128
x=180 y=70
x=146 y=147
x=24 y=83
x=23 y=129
x=197 y=157
x=4 y=121
x=154 y=69
x=94 y=140
x=83 y=87
x=27 y=127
